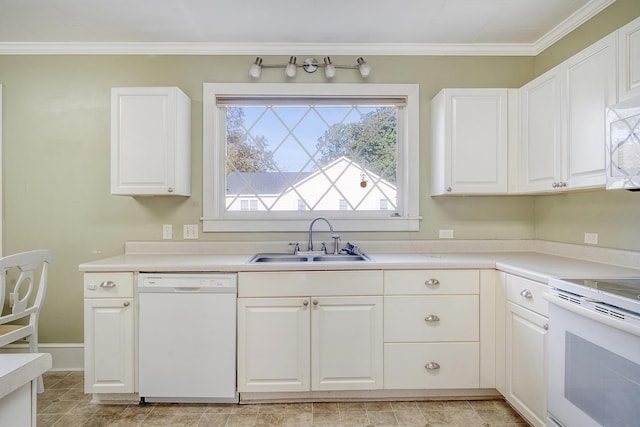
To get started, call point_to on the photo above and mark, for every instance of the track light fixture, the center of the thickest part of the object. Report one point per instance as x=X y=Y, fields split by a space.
x=310 y=65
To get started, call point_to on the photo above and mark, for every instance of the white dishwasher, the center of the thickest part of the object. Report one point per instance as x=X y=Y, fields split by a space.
x=187 y=337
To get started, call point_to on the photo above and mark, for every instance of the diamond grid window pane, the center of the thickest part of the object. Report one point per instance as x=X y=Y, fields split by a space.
x=309 y=157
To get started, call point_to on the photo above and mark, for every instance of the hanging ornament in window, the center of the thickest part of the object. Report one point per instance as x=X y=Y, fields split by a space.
x=363 y=183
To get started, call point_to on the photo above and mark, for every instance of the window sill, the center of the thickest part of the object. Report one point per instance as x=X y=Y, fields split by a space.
x=299 y=225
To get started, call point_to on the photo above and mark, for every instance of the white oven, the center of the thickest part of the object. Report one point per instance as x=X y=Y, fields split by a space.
x=593 y=356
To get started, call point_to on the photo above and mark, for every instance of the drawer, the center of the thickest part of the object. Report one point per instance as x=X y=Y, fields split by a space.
x=431 y=318
x=527 y=293
x=405 y=365
x=431 y=282
x=108 y=285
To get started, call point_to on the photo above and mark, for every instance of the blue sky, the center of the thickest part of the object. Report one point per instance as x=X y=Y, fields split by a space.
x=288 y=156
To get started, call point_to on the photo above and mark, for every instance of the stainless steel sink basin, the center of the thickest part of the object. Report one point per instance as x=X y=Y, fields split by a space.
x=288 y=258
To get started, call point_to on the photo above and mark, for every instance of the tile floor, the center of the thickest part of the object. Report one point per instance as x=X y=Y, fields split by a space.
x=64 y=404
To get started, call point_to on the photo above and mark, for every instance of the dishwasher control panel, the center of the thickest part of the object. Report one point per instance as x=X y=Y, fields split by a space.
x=188 y=282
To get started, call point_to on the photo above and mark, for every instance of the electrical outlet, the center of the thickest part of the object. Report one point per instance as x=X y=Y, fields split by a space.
x=591 y=238
x=445 y=234
x=190 y=231
x=167 y=231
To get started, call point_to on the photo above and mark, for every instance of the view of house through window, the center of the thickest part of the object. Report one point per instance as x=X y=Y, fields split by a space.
x=285 y=156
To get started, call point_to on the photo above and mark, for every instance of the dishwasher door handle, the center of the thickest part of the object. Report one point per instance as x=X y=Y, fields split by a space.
x=185 y=289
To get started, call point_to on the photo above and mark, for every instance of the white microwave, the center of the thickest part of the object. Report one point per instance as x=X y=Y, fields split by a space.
x=623 y=145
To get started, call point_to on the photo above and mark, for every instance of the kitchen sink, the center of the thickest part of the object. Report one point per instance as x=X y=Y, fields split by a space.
x=322 y=258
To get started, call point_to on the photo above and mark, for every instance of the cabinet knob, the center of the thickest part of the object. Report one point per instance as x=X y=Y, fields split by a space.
x=315 y=302
x=305 y=303
x=432 y=366
x=545 y=326
x=432 y=282
x=126 y=303
x=563 y=184
x=432 y=318
x=526 y=293
x=170 y=190
x=107 y=284
x=449 y=189
x=555 y=185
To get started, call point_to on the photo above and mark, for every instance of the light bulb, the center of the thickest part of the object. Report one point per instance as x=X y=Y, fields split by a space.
x=290 y=69
x=256 y=68
x=329 y=68
x=365 y=69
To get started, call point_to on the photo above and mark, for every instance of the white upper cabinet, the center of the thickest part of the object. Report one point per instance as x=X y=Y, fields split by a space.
x=540 y=137
x=563 y=122
x=589 y=86
x=629 y=60
x=469 y=141
x=150 y=141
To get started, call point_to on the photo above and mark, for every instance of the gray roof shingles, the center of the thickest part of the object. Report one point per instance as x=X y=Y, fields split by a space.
x=262 y=182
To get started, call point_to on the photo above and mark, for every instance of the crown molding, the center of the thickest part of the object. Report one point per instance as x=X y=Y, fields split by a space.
x=394 y=49
x=578 y=18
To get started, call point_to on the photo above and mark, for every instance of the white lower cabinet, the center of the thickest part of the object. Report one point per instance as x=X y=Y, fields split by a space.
x=525 y=348
x=432 y=329
x=109 y=333
x=314 y=343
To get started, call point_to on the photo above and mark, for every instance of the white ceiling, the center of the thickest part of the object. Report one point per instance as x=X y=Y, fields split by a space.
x=289 y=26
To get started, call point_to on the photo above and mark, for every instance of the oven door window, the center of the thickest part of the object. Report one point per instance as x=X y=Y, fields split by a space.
x=602 y=384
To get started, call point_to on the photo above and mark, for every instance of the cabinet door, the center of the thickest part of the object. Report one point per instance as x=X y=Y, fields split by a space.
x=273 y=344
x=109 y=355
x=629 y=60
x=346 y=346
x=589 y=86
x=470 y=141
x=150 y=141
x=526 y=341
x=541 y=149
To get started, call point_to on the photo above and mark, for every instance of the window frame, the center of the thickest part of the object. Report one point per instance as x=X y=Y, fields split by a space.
x=214 y=217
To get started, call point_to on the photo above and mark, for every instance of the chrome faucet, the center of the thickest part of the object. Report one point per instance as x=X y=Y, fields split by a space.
x=334 y=236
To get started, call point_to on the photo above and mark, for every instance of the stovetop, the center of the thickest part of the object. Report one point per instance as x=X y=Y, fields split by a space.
x=619 y=292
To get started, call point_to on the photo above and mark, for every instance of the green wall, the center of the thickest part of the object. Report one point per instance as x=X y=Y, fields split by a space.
x=613 y=215
x=56 y=161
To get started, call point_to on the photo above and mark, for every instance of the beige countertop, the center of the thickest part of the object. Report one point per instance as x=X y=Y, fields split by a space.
x=530 y=264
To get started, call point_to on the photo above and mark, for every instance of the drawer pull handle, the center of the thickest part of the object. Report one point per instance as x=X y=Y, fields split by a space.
x=305 y=303
x=432 y=366
x=432 y=282
x=107 y=284
x=526 y=293
x=432 y=318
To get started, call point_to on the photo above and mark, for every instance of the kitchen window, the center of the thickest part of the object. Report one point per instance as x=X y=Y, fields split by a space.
x=345 y=151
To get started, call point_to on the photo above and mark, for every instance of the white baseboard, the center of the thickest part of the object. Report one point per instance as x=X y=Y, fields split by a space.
x=66 y=357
